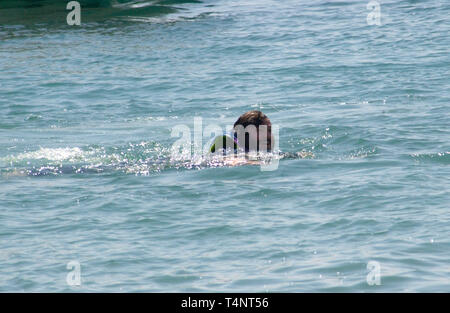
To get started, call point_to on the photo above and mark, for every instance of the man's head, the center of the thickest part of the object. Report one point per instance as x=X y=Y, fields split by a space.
x=253 y=131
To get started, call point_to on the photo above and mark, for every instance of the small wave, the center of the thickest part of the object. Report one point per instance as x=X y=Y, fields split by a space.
x=438 y=157
x=6 y=4
x=58 y=154
x=142 y=158
x=54 y=11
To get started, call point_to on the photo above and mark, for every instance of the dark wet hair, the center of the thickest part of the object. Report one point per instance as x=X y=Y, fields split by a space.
x=255 y=118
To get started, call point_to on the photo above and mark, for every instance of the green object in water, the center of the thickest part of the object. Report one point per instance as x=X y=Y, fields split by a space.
x=223 y=142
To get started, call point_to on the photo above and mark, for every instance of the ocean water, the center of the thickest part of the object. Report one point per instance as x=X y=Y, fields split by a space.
x=360 y=203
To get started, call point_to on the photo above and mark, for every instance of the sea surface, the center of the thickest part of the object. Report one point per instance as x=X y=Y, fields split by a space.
x=90 y=187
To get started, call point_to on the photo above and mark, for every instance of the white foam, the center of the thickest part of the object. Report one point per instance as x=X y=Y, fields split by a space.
x=52 y=154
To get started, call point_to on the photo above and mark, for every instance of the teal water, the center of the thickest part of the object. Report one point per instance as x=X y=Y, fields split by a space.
x=86 y=175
